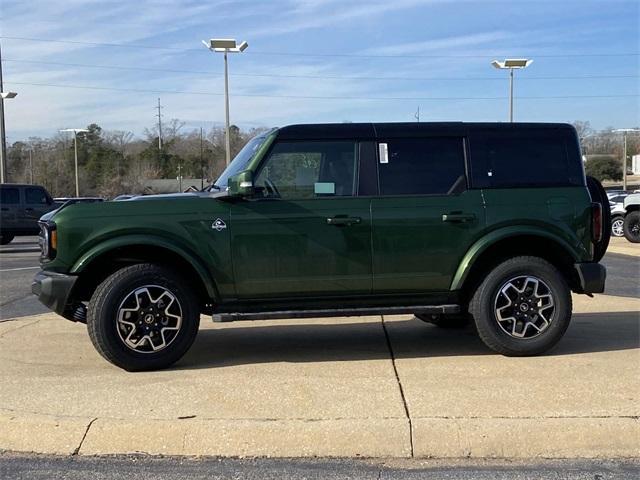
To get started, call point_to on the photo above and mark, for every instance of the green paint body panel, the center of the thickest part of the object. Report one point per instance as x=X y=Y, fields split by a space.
x=395 y=250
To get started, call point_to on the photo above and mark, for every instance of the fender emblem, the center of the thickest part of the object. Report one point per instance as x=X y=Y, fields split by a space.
x=218 y=225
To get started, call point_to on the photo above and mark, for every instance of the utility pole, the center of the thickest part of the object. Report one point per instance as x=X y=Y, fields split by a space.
x=180 y=177
x=201 y=162
x=3 y=140
x=31 y=166
x=159 y=115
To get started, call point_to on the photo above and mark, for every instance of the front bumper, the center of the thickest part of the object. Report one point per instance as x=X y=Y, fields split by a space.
x=53 y=289
x=591 y=276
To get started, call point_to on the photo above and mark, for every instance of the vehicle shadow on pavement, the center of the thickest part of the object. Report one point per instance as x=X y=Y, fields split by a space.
x=410 y=338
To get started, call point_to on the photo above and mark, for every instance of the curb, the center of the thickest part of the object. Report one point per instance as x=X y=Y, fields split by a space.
x=563 y=437
x=20 y=250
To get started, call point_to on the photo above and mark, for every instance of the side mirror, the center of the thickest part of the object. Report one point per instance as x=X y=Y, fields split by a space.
x=241 y=184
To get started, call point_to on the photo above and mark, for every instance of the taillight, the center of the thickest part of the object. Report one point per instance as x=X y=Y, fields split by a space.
x=596 y=222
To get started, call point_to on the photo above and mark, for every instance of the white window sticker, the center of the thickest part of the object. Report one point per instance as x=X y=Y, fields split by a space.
x=383 y=151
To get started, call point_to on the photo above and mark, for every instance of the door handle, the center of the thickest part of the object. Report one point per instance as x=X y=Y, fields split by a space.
x=458 y=217
x=28 y=209
x=4 y=209
x=343 y=221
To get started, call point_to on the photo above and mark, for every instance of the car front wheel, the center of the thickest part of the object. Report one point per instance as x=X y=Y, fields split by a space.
x=523 y=307
x=142 y=318
x=5 y=239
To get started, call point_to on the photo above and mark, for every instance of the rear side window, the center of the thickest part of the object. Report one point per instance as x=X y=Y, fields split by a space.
x=9 y=196
x=421 y=166
x=523 y=159
x=36 y=196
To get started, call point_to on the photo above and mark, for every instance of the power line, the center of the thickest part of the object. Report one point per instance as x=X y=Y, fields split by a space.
x=331 y=77
x=307 y=54
x=315 y=97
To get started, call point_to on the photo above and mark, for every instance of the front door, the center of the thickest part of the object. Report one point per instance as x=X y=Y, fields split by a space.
x=424 y=218
x=305 y=232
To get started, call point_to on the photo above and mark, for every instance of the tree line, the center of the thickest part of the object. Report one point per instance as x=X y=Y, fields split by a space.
x=116 y=162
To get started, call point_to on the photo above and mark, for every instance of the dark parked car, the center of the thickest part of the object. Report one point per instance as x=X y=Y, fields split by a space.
x=20 y=208
x=449 y=221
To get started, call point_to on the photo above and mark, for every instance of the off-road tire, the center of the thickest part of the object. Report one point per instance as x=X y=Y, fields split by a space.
x=5 y=239
x=599 y=195
x=482 y=307
x=102 y=317
x=632 y=226
x=452 y=321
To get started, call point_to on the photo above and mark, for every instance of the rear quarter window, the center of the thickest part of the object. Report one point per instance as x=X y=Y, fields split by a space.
x=524 y=159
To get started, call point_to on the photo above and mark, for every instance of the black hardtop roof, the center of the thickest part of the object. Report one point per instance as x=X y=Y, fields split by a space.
x=377 y=130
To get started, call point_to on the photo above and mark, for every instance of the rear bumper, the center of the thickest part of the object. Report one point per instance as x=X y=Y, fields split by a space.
x=53 y=289
x=591 y=276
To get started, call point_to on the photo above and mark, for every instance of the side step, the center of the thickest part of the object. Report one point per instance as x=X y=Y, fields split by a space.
x=335 y=312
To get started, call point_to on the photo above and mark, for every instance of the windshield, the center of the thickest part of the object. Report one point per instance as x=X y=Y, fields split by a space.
x=241 y=161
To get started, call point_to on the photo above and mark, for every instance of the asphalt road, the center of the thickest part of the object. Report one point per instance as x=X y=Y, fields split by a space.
x=18 y=266
x=27 y=467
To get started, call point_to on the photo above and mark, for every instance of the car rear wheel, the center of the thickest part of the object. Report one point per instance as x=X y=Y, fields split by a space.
x=142 y=318
x=523 y=307
x=5 y=238
x=617 y=227
x=632 y=226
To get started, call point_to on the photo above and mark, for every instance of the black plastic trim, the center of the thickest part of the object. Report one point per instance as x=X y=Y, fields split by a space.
x=53 y=289
x=592 y=277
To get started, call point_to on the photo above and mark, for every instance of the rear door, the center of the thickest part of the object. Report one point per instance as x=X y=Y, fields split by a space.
x=9 y=208
x=424 y=218
x=305 y=232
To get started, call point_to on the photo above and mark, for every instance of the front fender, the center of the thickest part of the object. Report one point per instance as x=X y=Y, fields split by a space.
x=478 y=248
x=146 y=240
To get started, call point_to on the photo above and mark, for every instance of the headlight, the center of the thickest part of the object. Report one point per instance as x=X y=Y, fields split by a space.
x=48 y=240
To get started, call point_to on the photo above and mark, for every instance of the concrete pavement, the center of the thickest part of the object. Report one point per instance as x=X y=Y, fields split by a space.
x=370 y=386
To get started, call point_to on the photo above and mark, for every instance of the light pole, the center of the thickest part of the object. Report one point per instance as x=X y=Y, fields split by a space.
x=624 y=132
x=4 y=174
x=511 y=64
x=226 y=45
x=75 y=146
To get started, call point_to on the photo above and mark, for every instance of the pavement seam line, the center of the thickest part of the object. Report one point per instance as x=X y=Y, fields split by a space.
x=19 y=328
x=395 y=371
x=75 y=452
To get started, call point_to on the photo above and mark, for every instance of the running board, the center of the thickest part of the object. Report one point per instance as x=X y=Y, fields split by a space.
x=336 y=312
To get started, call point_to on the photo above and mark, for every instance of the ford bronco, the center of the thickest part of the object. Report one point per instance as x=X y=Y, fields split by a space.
x=453 y=222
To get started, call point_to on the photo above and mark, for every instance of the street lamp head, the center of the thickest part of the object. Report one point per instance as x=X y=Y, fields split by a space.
x=6 y=95
x=225 y=45
x=74 y=130
x=512 y=63
x=626 y=130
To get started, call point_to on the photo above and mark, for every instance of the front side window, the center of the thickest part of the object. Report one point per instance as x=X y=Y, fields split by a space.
x=9 y=196
x=299 y=170
x=421 y=166
x=36 y=196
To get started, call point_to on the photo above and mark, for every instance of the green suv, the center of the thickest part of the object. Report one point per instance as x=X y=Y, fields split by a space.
x=494 y=223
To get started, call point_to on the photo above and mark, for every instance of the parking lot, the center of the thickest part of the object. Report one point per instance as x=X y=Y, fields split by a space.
x=373 y=386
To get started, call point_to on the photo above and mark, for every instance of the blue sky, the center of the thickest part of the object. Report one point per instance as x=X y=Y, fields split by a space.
x=317 y=61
